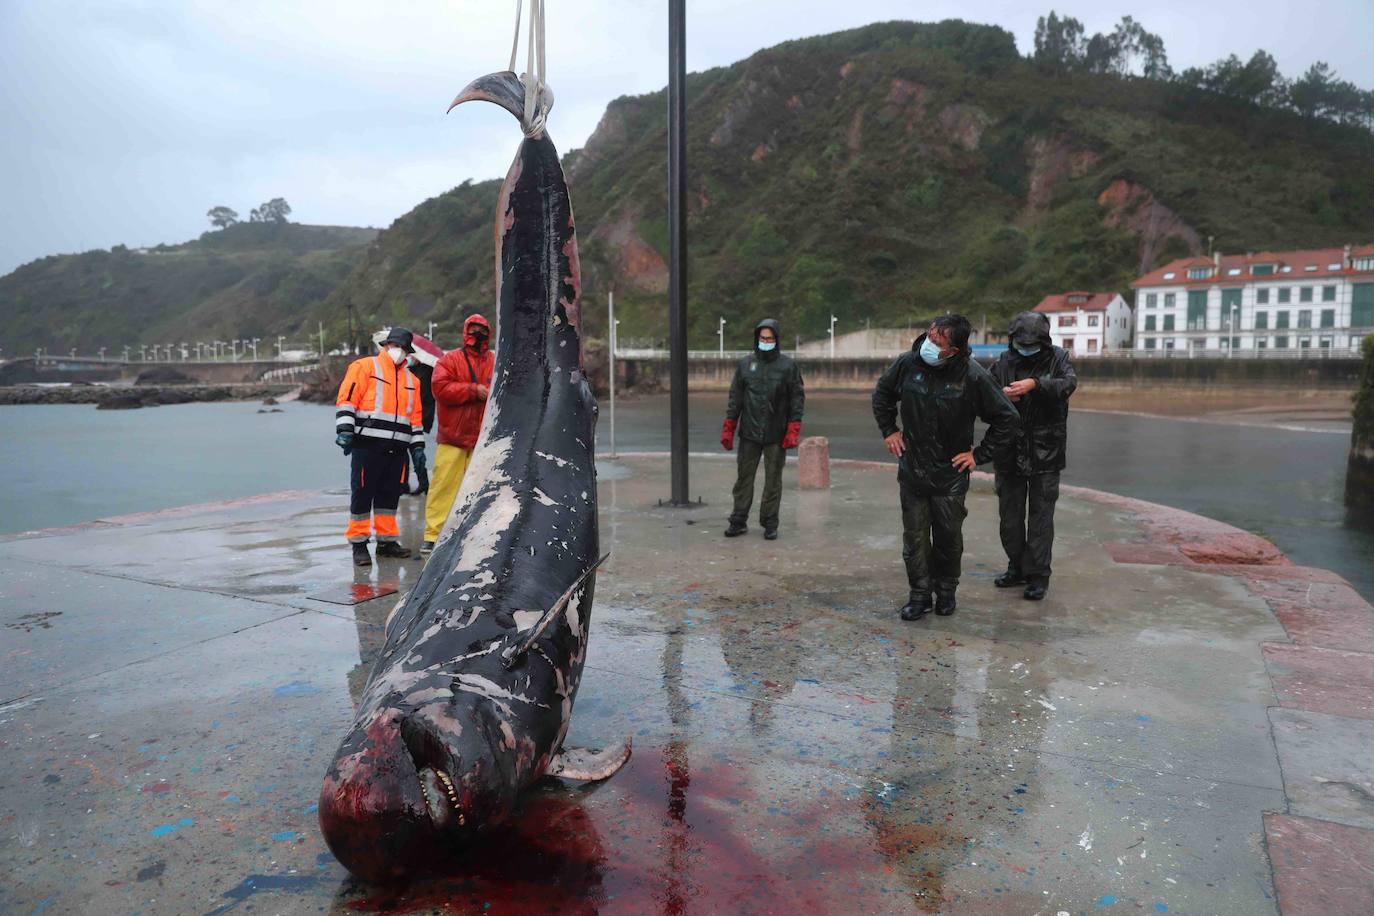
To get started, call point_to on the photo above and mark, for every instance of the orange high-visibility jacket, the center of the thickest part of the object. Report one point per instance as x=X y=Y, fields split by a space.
x=379 y=401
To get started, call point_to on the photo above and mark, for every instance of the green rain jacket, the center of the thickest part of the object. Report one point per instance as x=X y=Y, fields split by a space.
x=767 y=392
x=937 y=406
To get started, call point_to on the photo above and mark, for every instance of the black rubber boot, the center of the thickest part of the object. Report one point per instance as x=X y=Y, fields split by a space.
x=1035 y=590
x=360 y=555
x=770 y=534
x=393 y=550
x=944 y=604
x=917 y=606
x=736 y=529
x=1009 y=579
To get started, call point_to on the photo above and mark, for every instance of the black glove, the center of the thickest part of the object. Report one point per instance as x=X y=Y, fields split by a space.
x=344 y=441
x=417 y=455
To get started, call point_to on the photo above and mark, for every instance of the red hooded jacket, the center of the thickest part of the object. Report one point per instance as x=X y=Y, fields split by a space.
x=455 y=383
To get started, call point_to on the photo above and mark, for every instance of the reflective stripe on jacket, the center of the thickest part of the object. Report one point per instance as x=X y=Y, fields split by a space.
x=379 y=401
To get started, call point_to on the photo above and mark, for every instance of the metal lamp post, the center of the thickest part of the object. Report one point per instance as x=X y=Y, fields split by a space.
x=720 y=332
x=256 y=341
x=281 y=338
x=833 y=319
x=677 y=247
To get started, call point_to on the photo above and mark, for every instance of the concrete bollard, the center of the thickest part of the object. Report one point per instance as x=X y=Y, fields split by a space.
x=814 y=458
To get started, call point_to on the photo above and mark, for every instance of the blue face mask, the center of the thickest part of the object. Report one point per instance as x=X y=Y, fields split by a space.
x=766 y=345
x=1027 y=351
x=930 y=352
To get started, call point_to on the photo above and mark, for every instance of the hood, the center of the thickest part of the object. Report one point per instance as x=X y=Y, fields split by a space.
x=772 y=325
x=476 y=321
x=1029 y=328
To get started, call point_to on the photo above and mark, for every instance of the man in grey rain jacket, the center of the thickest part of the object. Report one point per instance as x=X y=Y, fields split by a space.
x=765 y=411
x=1038 y=377
x=937 y=389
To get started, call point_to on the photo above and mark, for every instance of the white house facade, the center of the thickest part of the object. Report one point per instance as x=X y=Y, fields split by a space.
x=1088 y=324
x=1287 y=300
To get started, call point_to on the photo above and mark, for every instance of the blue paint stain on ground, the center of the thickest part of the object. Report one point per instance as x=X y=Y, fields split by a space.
x=313 y=808
x=233 y=798
x=1106 y=900
x=1142 y=718
x=283 y=836
x=42 y=905
x=166 y=829
x=1161 y=908
x=295 y=689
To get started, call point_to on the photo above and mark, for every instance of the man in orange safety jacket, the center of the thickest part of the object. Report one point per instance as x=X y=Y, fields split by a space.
x=378 y=419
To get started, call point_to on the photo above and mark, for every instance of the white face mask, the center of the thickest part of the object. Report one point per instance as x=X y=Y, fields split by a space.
x=397 y=355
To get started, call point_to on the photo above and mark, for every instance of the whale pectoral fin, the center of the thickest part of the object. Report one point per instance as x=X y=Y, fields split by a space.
x=588 y=765
x=513 y=655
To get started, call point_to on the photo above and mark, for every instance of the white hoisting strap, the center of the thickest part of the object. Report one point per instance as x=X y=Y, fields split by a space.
x=538 y=95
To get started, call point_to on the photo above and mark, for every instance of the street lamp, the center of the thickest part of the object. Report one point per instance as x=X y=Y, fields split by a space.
x=1235 y=331
x=73 y=353
x=720 y=332
x=255 y=348
x=281 y=339
x=833 y=319
x=102 y=354
x=432 y=326
x=126 y=354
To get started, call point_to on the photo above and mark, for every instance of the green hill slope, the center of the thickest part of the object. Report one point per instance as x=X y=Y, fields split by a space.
x=250 y=280
x=891 y=172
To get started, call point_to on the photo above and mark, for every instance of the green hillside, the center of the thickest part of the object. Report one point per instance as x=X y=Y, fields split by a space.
x=249 y=280
x=885 y=173
x=891 y=172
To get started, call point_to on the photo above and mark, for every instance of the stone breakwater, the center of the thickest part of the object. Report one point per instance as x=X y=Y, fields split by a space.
x=128 y=398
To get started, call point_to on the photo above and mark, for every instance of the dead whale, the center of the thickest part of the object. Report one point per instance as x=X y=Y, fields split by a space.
x=471 y=697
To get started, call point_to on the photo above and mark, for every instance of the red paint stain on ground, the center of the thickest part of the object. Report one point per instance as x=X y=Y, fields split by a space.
x=155 y=787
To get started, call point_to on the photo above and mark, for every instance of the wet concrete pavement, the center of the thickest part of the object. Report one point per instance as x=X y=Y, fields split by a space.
x=174 y=686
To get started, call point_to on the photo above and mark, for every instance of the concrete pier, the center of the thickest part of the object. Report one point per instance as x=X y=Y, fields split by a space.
x=1184 y=725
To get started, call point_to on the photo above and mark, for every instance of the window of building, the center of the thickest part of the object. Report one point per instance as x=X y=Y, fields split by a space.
x=1233 y=272
x=1168 y=343
x=1310 y=268
x=1333 y=267
x=1328 y=318
x=1304 y=343
x=1324 y=343
x=1261 y=321
x=1170 y=275
x=1168 y=322
x=1068 y=321
x=1151 y=300
x=1328 y=294
x=1230 y=307
x=1305 y=294
x=1199 y=273
x=1150 y=343
x=1362 y=305
x=1281 y=319
x=1363 y=264
x=1197 y=309
x=1285 y=294
x=1169 y=300
x=1304 y=318
x=1262 y=296
x=1263 y=270
x=1068 y=344
x=1281 y=342
x=1261 y=343
x=1092 y=321
x=1149 y=322
x=1285 y=269
x=1092 y=344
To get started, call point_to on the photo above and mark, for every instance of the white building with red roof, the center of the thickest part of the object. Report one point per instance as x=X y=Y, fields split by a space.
x=1087 y=324
x=1320 y=298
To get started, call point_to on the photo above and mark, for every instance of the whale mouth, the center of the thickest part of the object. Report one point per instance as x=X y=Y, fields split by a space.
x=441 y=798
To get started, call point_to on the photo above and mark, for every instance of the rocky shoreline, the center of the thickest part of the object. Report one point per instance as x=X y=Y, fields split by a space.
x=130 y=397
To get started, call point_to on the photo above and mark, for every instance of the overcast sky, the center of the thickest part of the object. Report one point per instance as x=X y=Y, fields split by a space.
x=125 y=120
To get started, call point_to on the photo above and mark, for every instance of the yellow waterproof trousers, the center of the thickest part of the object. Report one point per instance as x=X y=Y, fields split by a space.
x=450 y=463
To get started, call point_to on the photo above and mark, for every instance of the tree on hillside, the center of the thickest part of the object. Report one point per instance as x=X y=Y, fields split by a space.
x=222 y=217
x=1059 y=45
x=274 y=211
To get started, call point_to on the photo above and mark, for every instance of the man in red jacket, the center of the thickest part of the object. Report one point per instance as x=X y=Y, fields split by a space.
x=461 y=383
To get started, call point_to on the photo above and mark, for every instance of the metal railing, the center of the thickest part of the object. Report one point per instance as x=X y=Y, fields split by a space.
x=289 y=372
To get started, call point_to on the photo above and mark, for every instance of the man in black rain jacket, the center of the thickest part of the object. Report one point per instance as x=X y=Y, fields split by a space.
x=765 y=409
x=938 y=389
x=1038 y=377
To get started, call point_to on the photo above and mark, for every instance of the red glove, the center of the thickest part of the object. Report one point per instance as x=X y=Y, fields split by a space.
x=727 y=434
x=792 y=438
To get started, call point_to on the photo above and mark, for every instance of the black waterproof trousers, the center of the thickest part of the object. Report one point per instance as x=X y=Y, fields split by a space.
x=377 y=478
x=933 y=536
x=1028 y=540
x=774 y=457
